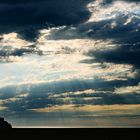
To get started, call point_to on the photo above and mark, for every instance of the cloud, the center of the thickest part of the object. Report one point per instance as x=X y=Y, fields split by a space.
x=90 y=108
x=13 y=46
x=27 y=17
x=55 y=108
x=128 y=89
x=3 y=108
x=14 y=40
x=60 y=94
x=41 y=14
x=126 y=54
x=61 y=60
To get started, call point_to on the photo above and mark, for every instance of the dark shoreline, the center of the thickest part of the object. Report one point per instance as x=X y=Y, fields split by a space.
x=4 y=124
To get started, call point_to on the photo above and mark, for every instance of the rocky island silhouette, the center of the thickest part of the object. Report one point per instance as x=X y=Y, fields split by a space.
x=4 y=124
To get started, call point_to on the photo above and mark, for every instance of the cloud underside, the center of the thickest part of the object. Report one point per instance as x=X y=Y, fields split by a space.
x=117 y=109
x=85 y=65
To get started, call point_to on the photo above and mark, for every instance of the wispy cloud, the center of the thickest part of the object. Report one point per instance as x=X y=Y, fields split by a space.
x=90 y=108
x=128 y=89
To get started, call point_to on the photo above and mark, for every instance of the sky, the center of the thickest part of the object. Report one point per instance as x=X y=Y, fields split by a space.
x=70 y=63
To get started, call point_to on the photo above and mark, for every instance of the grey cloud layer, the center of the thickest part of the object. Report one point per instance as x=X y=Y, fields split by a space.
x=29 y=16
x=64 y=93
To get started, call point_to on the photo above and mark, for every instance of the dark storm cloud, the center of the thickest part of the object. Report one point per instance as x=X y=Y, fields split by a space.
x=39 y=96
x=43 y=89
x=126 y=54
x=103 y=99
x=126 y=37
x=29 y=15
x=124 y=30
x=55 y=87
x=39 y=12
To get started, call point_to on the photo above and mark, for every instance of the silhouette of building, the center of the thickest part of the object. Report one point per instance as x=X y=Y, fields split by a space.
x=4 y=124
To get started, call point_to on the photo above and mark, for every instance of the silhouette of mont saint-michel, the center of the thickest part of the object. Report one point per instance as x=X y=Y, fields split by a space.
x=4 y=124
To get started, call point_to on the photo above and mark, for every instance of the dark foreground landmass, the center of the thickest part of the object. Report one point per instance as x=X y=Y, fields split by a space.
x=4 y=124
